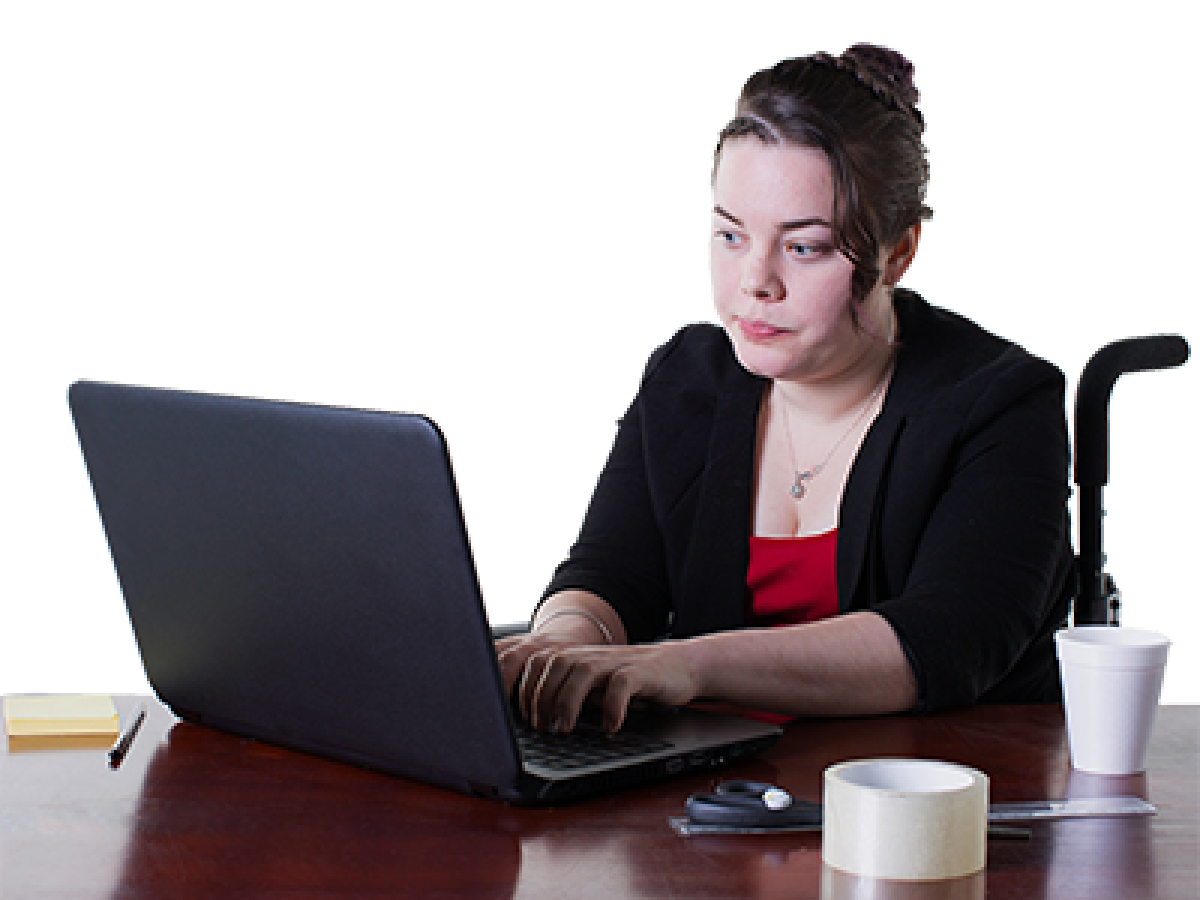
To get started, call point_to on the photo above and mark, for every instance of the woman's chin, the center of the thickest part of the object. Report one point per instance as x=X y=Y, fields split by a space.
x=762 y=361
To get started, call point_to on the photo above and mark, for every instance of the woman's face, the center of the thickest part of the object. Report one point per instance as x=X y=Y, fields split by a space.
x=782 y=289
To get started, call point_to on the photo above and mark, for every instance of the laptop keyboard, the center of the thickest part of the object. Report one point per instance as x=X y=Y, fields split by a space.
x=585 y=746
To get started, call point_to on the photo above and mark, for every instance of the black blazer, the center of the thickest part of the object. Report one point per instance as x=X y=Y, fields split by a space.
x=953 y=524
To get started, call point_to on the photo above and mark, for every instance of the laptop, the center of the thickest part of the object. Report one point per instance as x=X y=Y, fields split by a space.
x=301 y=575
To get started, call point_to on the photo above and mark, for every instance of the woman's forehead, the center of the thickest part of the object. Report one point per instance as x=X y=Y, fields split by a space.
x=777 y=182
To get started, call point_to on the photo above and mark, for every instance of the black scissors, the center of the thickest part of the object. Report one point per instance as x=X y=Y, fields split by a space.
x=752 y=804
x=746 y=806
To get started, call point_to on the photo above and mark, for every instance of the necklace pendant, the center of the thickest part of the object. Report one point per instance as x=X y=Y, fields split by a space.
x=797 y=490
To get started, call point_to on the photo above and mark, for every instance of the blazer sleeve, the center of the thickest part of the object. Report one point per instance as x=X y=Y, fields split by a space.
x=977 y=546
x=619 y=553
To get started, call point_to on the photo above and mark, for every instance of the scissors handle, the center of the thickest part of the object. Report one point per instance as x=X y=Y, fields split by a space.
x=740 y=804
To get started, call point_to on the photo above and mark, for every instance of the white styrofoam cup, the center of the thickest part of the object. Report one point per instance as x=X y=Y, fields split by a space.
x=1111 y=682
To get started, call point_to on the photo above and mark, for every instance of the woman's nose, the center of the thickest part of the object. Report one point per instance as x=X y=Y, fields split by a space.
x=759 y=280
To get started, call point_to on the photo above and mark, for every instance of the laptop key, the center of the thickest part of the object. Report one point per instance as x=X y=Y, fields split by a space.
x=587 y=745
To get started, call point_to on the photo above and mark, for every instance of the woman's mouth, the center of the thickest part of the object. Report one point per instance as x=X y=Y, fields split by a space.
x=757 y=330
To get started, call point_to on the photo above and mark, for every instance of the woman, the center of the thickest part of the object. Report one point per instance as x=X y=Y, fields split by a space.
x=842 y=502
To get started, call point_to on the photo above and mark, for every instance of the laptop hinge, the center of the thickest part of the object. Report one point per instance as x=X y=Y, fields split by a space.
x=486 y=791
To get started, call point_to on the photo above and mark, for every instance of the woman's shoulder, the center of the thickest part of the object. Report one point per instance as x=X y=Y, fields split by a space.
x=692 y=376
x=945 y=356
x=700 y=354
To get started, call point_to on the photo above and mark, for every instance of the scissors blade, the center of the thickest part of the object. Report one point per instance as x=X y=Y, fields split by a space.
x=682 y=825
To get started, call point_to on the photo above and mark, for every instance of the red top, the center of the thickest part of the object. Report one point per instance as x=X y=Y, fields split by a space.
x=792 y=580
x=789 y=581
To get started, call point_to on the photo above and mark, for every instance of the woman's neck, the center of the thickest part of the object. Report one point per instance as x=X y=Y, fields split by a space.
x=840 y=395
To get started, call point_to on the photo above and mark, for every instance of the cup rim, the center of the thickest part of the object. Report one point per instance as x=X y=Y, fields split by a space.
x=903 y=775
x=1112 y=636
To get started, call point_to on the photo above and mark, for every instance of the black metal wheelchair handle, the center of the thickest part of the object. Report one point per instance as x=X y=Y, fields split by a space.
x=1098 y=599
x=1139 y=354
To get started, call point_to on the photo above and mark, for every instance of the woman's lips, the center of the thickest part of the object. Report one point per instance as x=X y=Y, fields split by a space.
x=756 y=330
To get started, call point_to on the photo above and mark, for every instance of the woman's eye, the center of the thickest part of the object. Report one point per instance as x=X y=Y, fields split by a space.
x=805 y=250
x=726 y=237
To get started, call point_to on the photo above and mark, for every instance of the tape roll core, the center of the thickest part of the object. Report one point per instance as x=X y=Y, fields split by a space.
x=905 y=819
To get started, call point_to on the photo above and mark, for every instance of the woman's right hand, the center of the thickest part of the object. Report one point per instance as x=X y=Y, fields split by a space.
x=514 y=653
x=557 y=626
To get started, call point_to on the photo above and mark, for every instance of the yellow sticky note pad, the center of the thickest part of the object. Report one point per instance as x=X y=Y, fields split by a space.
x=65 y=714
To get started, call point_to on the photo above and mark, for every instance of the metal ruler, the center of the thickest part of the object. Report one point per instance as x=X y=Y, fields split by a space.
x=1078 y=808
x=998 y=813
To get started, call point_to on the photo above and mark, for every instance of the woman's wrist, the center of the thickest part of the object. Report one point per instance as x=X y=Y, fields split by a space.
x=577 y=616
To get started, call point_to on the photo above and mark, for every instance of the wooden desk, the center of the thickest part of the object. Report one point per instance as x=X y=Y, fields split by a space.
x=196 y=813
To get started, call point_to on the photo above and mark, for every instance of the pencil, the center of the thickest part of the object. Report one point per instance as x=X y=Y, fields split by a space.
x=118 y=750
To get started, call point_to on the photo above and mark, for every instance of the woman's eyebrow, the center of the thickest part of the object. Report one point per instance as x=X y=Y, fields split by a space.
x=791 y=225
x=803 y=223
x=728 y=215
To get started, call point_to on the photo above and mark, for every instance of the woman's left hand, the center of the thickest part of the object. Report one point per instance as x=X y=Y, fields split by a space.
x=556 y=682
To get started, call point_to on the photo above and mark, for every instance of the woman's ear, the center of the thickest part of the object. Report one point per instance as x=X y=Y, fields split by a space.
x=900 y=255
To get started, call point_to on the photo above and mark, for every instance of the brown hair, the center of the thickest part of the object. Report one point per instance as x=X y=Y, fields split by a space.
x=860 y=110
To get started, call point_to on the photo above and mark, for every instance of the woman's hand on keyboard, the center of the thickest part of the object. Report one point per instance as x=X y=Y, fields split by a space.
x=514 y=654
x=556 y=679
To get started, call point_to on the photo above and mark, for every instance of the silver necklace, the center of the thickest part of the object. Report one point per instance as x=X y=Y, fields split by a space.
x=799 y=486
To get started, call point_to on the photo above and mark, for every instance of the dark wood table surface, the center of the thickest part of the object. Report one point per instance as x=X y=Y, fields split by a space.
x=193 y=812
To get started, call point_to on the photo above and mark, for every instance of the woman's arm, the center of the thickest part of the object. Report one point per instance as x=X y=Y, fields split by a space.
x=847 y=665
x=618 y=554
x=982 y=579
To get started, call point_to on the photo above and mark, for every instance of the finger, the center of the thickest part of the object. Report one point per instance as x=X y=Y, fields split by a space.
x=623 y=685
x=508 y=643
x=574 y=687
x=512 y=654
x=563 y=685
x=538 y=688
x=511 y=660
x=524 y=685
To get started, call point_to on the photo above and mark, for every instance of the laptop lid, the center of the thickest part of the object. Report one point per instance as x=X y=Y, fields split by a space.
x=301 y=574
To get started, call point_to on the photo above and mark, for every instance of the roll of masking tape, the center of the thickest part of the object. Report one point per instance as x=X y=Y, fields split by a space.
x=905 y=819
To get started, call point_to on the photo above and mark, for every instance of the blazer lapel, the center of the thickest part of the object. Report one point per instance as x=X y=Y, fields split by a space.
x=714 y=585
x=857 y=518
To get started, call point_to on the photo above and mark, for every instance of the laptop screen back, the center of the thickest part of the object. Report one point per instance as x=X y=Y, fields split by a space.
x=300 y=574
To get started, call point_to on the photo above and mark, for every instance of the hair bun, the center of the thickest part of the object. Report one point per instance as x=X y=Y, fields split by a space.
x=886 y=67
